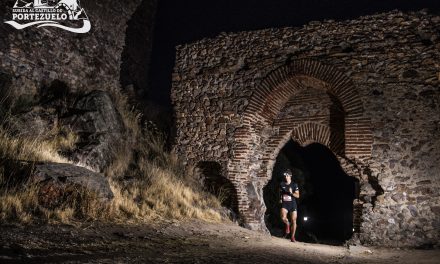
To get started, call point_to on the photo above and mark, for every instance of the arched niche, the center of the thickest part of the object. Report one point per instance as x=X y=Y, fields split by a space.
x=259 y=138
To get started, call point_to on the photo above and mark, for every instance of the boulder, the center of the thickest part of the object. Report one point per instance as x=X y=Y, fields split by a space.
x=96 y=113
x=95 y=119
x=57 y=180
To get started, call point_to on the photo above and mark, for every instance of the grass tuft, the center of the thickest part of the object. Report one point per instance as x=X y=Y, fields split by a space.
x=148 y=182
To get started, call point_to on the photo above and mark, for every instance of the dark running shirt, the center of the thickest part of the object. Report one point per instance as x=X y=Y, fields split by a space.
x=285 y=195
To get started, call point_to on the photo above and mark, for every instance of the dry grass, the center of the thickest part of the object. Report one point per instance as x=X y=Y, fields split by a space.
x=158 y=185
x=163 y=197
x=24 y=206
x=29 y=149
x=17 y=206
x=21 y=204
x=123 y=151
x=62 y=139
x=162 y=187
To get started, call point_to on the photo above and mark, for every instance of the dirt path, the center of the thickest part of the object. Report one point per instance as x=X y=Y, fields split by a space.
x=174 y=242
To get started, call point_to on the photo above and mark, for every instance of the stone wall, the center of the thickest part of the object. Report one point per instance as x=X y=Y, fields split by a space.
x=51 y=79
x=35 y=57
x=368 y=89
x=54 y=80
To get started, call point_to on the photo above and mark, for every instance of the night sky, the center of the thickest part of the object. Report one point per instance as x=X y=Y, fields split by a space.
x=184 y=21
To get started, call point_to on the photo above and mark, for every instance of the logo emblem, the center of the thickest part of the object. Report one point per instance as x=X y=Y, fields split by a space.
x=64 y=14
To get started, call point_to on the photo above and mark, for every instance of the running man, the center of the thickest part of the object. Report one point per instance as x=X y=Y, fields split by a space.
x=289 y=192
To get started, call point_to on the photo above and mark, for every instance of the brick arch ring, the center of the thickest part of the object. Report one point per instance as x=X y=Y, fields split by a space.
x=273 y=92
x=306 y=134
x=267 y=100
x=310 y=133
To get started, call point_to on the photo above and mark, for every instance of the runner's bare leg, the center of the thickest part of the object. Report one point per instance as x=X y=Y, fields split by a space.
x=284 y=218
x=293 y=229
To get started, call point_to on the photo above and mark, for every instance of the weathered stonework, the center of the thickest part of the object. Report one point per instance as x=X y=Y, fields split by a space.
x=35 y=57
x=368 y=89
x=50 y=77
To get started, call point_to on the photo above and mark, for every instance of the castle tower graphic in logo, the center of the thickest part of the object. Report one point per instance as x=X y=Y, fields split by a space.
x=64 y=14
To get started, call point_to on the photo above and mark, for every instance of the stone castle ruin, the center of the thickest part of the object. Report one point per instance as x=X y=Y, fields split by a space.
x=366 y=89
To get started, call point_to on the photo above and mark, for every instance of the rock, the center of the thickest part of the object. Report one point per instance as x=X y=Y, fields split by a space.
x=96 y=121
x=413 y=210
x=398 y=197
x=5 y=83
x=96 y=113
x=367 y=189
x=59 y=179
x=359 y=250
x=410 y=74
x=435 y=210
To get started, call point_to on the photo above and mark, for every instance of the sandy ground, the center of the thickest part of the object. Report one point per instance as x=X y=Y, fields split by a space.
x=180 y=242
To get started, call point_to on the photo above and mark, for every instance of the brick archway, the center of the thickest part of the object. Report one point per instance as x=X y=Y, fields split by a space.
x=278 y=86
x=304 y=135
x=310 y=133
x=257 y=140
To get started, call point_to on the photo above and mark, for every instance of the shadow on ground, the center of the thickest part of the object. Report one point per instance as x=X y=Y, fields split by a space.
x=179 y=242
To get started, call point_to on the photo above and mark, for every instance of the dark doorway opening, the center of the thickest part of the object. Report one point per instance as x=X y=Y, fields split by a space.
x=325 y=207
x=209 y=174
